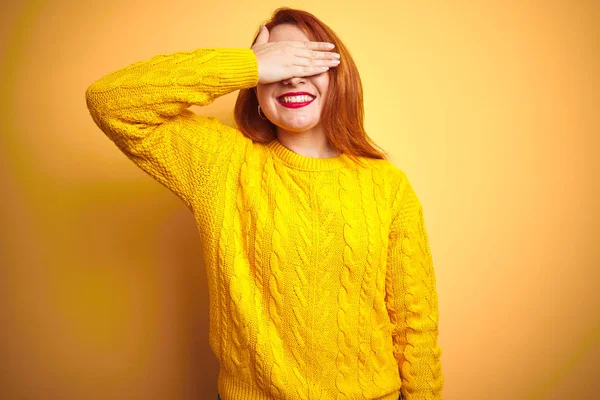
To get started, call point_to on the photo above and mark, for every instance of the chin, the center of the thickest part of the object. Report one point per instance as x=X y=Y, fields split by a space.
x=298 y=126
x=295 y=128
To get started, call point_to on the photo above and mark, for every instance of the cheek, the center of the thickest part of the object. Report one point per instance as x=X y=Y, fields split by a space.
x=322 y=83
x=264 y=93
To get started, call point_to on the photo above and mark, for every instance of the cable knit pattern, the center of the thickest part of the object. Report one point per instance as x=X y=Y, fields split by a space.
x=251 y=175
x=261 y=299
x=366 y=288
x=319 y=270
x=325 y=279
x=374 y=369
x=346 y=338
x=279 y=376
x=300 y=324
x=243 y=307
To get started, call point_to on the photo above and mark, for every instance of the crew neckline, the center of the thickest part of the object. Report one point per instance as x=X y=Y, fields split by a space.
x=305 y=163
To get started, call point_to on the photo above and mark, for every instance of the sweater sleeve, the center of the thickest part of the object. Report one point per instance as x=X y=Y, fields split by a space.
x=412 y=300
x=143 y=109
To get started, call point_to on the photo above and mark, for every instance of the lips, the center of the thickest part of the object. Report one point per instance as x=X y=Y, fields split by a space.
x=295 y=105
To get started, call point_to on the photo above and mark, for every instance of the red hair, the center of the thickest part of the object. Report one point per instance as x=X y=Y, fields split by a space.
x=342 y=115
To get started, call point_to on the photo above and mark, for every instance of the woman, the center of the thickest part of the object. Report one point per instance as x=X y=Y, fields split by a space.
x=319 y=270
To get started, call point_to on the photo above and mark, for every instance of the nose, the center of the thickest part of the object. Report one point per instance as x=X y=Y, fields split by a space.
x=293 y=81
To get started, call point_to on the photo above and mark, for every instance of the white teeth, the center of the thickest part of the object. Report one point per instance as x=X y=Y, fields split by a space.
x=296 y=99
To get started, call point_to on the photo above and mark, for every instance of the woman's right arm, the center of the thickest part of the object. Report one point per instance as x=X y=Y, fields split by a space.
x=143 y=109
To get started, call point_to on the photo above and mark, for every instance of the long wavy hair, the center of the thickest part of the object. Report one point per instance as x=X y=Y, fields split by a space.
x=342 y=115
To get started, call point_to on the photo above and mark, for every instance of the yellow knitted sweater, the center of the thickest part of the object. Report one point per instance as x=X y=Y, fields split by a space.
x=319 y=270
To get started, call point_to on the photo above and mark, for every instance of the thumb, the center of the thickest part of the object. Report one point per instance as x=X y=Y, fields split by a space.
x=263 y=35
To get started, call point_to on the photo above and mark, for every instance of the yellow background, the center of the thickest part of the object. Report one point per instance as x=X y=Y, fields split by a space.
x=491 y=108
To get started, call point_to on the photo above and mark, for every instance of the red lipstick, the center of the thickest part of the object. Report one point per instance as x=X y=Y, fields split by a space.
x=295 y=105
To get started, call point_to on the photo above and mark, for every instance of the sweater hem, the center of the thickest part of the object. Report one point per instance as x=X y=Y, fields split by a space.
x=231 y=388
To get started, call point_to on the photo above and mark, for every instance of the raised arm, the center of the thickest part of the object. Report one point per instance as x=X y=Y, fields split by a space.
x=412 y=300
x=143 y=109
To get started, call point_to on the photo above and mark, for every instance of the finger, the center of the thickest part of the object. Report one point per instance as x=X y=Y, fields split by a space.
x=306 y=60
x=311 y=45
x=263 y=35
x=315 y=54
x=308 y=63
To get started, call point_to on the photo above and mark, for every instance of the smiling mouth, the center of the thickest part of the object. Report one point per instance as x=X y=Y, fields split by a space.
x=295 y=101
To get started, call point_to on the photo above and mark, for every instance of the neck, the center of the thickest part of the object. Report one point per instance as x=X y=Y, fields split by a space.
x=308 y=143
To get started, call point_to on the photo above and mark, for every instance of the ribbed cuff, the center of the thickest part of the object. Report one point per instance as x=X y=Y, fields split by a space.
x=238 y=68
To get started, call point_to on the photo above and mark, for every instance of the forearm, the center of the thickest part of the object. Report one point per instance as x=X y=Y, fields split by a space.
x=153 y=91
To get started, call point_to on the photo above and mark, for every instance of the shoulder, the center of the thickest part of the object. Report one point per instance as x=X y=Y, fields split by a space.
x=393 y=180
x=388 y=172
